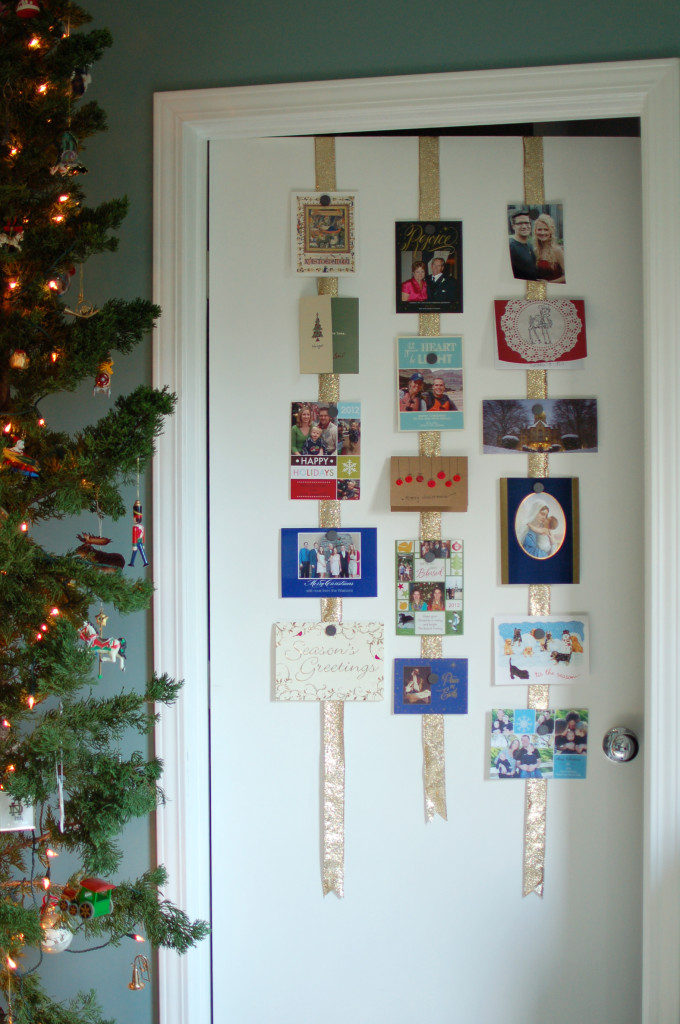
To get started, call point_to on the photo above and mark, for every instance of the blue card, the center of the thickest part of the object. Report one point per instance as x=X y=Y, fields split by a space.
x=430 y=686
x=329 y=563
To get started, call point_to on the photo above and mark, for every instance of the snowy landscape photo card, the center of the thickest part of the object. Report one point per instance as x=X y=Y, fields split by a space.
x=551 y=425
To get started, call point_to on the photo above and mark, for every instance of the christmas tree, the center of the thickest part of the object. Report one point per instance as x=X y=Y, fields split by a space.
x=64 y=785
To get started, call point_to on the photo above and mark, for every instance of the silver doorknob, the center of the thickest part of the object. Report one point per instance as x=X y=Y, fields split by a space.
x=620 y=744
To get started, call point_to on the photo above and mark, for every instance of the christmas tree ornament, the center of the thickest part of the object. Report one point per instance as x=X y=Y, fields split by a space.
x=19 y=360
x=109 y=649
x=80 y=79
x=15 y=459
x=57 y=936
x=92 y=899
x=27 y=8
x=138 y=531
x=107 y=561
x=15 y=816
x=11 y=237
x=60 y=281
x=102 y=382
x=140 y=972
x=83 y=309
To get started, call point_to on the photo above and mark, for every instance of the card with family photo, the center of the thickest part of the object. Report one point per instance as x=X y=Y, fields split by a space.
x=528 y=743
x=430 y=383
x=324 y=232
x=536 y=241
x=325 y=447
x=429 y=266
x=437 y=686
x=539 y=530
x=540 y=649
x=552 y=425
x=544 y=334
x=329 y=563
x=429 y=587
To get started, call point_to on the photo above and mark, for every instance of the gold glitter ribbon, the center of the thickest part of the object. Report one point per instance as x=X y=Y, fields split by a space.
x=536 y=790
x=429 y=444
x=332 y=712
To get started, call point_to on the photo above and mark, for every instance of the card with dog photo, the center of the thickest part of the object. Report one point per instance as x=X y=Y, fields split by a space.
x=540 y=649
x=325 y=447
x=329 y=563
x=429 y=587
x=437 y=686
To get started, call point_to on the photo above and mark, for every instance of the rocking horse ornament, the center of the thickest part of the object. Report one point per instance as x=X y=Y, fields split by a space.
x=108 y=648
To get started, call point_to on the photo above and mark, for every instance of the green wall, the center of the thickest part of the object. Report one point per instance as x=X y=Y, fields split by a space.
x=174 y=46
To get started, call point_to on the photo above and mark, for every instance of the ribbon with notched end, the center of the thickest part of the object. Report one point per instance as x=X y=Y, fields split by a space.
x=536 y=790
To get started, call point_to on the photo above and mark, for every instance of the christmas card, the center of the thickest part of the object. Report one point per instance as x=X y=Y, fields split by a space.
x=329 y=661
x=325 y=445
x=437 y=686
x=430 y=383
x=329 y=563
x=329 y=334
x=429 y=587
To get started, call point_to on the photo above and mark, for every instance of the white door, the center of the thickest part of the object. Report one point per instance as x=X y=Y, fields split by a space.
x=433 y=926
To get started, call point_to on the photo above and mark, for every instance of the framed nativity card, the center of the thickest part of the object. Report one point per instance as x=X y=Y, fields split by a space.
x=539 y=530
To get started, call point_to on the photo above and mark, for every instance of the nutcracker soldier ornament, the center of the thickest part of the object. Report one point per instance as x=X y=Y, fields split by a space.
x=138 y=534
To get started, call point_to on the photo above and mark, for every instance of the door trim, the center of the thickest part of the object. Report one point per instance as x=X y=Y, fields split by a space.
x=184 y=124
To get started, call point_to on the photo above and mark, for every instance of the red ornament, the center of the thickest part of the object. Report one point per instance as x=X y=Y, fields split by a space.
x=430 y=483
x=399 y=482
x=27 y=8
x=440 y=475
x=409 y=479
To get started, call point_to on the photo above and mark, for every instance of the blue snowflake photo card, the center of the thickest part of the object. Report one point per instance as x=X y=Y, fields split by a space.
x=538 y=744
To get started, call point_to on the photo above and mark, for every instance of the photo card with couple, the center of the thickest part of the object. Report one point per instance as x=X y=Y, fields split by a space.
x=329 y=563
x=430 y=383
x=429 y=587
x=325 y=447
x=529 y=743
x=429 y=266
x=437 y=686
x=539 y=530
x=536 y=241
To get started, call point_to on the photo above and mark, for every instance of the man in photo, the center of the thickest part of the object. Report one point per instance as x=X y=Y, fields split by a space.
x=437 y=399
x=329 y=431
x=440 y=288
x=344 y=562
x=522 y=256
x=304 y=561
x=411 y=397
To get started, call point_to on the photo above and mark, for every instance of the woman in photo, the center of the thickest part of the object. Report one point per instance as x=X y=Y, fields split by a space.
x=415 y=691
x=335 y=566
x=417 y=603
x=513 y=755
x=353 y=561
x=301 y=429
x=321 y=567
x=535 y=536
x=415 y=289
x=437 y=602
x=549 y=255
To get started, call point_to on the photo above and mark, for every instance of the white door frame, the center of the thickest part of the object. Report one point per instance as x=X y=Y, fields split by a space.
x=184 y=124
